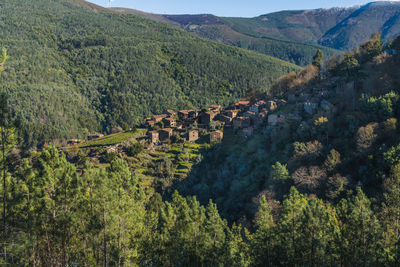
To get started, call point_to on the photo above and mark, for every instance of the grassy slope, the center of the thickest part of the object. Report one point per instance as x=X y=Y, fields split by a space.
x=76 y=68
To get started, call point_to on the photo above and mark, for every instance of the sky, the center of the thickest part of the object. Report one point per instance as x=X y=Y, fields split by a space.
x=233 y=8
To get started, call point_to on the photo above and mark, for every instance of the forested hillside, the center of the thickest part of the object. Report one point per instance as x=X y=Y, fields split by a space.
x=319 y=186
x=222 y=30
x=75 y=68
x=304 y=172
x=340 y=28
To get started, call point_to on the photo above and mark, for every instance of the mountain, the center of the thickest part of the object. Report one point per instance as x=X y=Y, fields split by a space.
x=75 y=68
x=380 y=17
x=223 y=30
x=338 y=28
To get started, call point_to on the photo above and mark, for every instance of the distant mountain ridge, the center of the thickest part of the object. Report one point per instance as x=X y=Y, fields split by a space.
x=339 y=28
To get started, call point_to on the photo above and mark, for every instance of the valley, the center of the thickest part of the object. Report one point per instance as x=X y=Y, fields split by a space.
x=137 y=139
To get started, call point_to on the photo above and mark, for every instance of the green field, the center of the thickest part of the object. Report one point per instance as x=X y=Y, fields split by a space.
x=112 y=139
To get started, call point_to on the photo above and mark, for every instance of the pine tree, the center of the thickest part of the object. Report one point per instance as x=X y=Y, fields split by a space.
x=319 y=230
x=318 y=59
x=215 y=228
x=289 y=227
x=262 y=241
x=361 y=232
x=391 y=217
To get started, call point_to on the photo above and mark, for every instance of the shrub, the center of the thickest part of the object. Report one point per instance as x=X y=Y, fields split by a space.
x=279 y=173
x=365 y=137
x=109 y=157
x=135 y=149
x=308 y=180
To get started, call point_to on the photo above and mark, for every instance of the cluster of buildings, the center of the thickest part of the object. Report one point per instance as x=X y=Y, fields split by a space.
x=244 y=116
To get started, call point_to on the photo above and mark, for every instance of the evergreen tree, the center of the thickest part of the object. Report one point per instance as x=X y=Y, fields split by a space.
x=361 y=232
x=318 y=59
x=289 y=227
x=262 y=241
x=319 y=229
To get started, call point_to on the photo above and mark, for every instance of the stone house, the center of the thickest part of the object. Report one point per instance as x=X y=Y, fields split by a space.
x=154 y=137
x=225 y=119
x=248 y=131
x=207 y=117
x=242 y=105
x=216 y=108
x=192 y=135
x=255 y=108
x=183 y=114
x=193 y=114
x=169 y=122
x=241 y=122
x=232 y=113
x=158 y=118
x=216 y=136
x=276 y=119
x=149 y=123
x=165 y=134
x=170 y=113
x=249 y=114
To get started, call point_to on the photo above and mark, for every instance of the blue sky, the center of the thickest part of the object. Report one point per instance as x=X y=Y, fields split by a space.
x=237 y=8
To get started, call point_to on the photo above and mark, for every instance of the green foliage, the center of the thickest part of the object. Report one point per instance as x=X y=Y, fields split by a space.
x=109 y=157
x=102 y=216
x=3 y=59
x=383 y=106
x=318 y=59
x=135 y=149
x=371 y=48
x=349 y=65
x=83 y=69
x=279 y=173
x=361 y=232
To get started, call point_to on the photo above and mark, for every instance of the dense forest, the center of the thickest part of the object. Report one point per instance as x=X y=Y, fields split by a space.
x=320 y=191
x=75 y=68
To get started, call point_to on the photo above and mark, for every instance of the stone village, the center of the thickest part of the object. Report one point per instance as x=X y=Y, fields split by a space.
x=244 y=117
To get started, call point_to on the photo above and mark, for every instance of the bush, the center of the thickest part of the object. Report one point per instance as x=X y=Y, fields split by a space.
x=309 y=180
x=365 y=137
x=135 y=149
x=109 y=157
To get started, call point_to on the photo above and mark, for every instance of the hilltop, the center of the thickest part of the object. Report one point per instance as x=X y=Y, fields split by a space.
x=75 y=68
